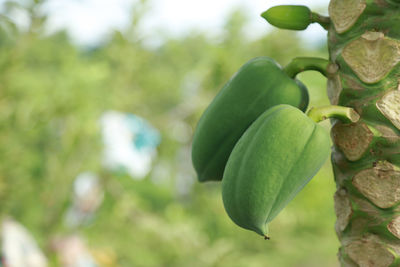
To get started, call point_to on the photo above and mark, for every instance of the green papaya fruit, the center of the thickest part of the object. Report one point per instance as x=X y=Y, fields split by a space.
x=273 y=160
x=289 y=17
x=257 y=86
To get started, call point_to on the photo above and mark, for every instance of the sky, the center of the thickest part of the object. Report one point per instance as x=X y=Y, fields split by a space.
x=90 y=21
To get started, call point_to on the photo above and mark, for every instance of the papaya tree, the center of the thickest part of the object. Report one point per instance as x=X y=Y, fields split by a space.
x=257 y=137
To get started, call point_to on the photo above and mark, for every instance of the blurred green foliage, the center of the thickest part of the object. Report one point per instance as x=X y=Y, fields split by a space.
x=52 y=94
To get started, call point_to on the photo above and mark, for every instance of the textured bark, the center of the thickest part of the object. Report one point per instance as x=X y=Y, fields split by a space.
x=364 y=42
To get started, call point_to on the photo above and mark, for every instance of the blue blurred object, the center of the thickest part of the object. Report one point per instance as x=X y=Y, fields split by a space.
x=145 y=134
x=130 y=143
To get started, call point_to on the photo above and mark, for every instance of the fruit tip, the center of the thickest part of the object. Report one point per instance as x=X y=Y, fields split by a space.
x=265 y=14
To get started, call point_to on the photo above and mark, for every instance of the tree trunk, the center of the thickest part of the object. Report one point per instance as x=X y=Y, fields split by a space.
x=364 y=42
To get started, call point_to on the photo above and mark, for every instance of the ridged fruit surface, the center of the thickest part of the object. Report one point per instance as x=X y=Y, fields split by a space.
x=274 y=159
x=259 y=85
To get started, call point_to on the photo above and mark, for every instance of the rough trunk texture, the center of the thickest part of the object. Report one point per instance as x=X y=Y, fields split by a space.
x=364 y=42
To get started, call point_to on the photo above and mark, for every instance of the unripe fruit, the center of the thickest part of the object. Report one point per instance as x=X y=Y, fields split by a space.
x=289 y=17
x=273 y=160
x=259 y=85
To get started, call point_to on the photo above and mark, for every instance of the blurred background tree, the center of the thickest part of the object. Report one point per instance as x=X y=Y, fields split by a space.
x=52 y=94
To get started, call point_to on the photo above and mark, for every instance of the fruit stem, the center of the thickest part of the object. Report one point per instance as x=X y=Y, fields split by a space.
x=345 y=114
x=324 y=21
x=300 y=64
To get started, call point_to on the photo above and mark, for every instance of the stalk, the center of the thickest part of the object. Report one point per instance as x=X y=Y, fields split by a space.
x=321 y=20
x=300 y=64
x=344 y=114
x=364 y=41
